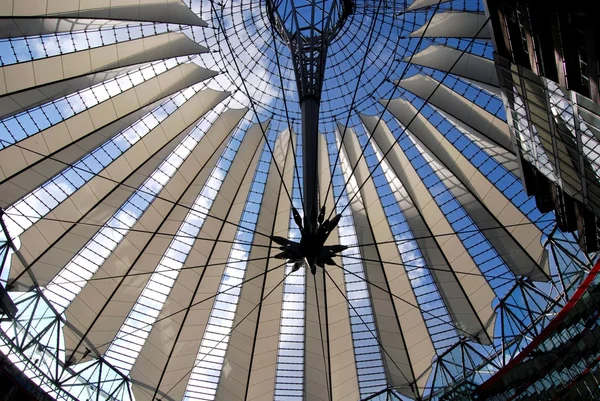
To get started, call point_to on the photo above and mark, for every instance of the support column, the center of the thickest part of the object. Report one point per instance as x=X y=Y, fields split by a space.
x=310 y=144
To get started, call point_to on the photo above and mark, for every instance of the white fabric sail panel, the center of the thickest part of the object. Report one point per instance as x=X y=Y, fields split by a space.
x=479 y=325
x=455 y=24
x=492 y=90
x=172 y=346
x=463 y=312
x=317 y=370
x=25 y=181
x=20 y=27
x=523 y=231
x=448 y=59
x=343 y=378
x=467 y=112
x=519 y=261
x=415 y=5
x=168 y=11
x=49 y=70
x=20 y=101
x=405 y=341
x=139 y=253
x=251 y=359
x=49 y=244
x=22 y=183
x=504 y=157
x=131 y=264
x=18 y=157
x=263 y=370
x=28 y=84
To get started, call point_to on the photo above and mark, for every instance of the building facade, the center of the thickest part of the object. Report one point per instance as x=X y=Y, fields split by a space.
x=547 y=64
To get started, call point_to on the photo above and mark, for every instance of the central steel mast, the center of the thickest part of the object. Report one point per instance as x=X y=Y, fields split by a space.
x=308 y=27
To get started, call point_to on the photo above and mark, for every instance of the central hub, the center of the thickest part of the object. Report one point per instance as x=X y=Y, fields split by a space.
x=311 y=251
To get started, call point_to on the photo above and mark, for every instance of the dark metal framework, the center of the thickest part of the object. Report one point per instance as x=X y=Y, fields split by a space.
x=546 y=59
x=32 y=339
x=524 y=312
x=308 y=27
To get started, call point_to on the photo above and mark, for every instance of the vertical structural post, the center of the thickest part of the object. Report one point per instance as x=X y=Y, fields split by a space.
x=307 y=27
x=7 y=306
x=310 y=143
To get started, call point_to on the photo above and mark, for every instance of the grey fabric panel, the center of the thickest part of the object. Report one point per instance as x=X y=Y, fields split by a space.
x=455 y=24
x=169 y=11
x=96 y=124
x=173 y=344
x=525 y=256
x=406 y=346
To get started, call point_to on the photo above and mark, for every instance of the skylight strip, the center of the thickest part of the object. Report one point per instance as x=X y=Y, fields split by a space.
x=28 y=48
x=289 y=377
x=124 y=350
x=32 y=121
x=63 y=289
x=483 y=254
x=495 y=172
x=289 y=383
x=44 y=199
x=367 y=353
x=429 y=299
x=205 y=375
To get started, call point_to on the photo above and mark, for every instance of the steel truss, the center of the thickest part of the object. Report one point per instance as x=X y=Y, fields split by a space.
x=308 y=40
x=33 y=341
x=522 y=313
x=552 y=130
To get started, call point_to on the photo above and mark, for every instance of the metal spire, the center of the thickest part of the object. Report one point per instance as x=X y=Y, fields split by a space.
x=308 y=27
